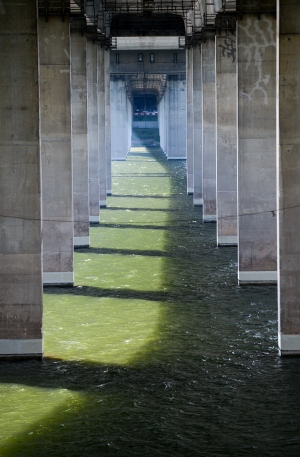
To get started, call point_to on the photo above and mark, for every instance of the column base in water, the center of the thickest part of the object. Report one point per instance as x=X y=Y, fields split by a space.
x=289 y=344
x=198 y=201
x=257 y=277
x=227 y=240
x=81 y=241
x=94 y=220
x=210 y=218
x=58 y=278
x=21 y=348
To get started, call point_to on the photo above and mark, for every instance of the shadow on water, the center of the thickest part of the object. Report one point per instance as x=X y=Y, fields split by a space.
x=207 y=382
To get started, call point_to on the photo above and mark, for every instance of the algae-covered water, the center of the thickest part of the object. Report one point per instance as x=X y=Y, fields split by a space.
x=156 y=351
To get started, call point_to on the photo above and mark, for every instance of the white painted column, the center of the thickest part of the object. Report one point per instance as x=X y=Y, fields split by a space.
x=55 y=128
x=257 y=256
x=92 y=118
x=107 y=121
x=288 y=176
x=189 y=122
x=166 y=119
x=226 y=101
x=101 y=128
x=79 y=140
x=21 y=314
x=129 y=123
x=197 y=102
x=209 y=129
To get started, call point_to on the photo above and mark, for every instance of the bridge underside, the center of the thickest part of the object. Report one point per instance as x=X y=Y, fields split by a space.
x=223 y=77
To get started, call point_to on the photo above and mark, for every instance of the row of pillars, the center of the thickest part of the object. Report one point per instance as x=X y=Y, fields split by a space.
x=55 y=168
x=243 y=140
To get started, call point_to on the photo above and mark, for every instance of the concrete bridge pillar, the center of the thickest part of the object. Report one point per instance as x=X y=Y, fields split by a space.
x=257 y=149
x=129 y=123
x=107 y=121
x=92 y=119
x=197 y=102
x=119 y=119
x=166 y=121
x=209 y=129
x=79 y=139
x=189 y=122
x=56 y=152
x=101 y=128
x=288 y=177
x=20 y=182
x=176 y=90
x=226 y=119
x=161 y=122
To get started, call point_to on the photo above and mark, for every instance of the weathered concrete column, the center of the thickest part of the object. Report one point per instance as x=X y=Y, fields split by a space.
x=57 y=185
x=176 y=118
x=197 y=102
x=79 y=140
x=161 y=122
x=20 y=183
x=209 y=129
x=226 y=138
x=92 y=119
x=288 y=175
x=101 y=128
x=129 y=124
x=166 y=120
x=107 y=121
x=189 y=122
x=119 y=121
x=257 y=149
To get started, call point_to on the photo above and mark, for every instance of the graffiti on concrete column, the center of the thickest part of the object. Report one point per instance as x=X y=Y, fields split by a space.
x=261 y=36
x=228 y=48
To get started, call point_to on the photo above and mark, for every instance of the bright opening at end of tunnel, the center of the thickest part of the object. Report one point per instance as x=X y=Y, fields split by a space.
x=116 y=306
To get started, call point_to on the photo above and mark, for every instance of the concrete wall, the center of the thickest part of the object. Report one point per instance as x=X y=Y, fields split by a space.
x=288 y=161
x=20 y=183
x=209 y=129
x=79 y=140
x=226 y=119
x=257 y=149
x=57 y=180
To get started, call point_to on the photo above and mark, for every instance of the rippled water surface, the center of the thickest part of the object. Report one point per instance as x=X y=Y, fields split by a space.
x=156 y=351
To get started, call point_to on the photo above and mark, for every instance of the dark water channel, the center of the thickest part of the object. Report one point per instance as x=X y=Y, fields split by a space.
x=156 y=351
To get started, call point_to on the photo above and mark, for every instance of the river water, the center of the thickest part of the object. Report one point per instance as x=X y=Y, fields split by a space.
x=156 y=351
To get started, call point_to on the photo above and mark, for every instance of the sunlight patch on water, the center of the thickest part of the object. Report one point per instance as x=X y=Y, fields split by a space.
x=24 y=408
x=103 y=330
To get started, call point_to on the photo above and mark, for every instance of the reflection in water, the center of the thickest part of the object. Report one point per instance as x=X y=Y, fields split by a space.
x=156 y=351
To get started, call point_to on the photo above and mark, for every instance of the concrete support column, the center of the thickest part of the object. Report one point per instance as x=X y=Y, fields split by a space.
x=20 y=183
x=79 y=140
x=257 y=149
x=166 y=120
x=57 y=181
x=92 y=119
x=107 y=121
x=189 y=122
x=176 y=118
x=101 y=128
x=197 y=102
x=161 y=120
x=226 y=114
x=209 y=129
x=288 y=175
x=129 y=123
x=119 y=119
